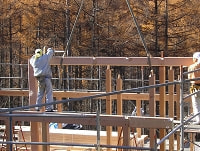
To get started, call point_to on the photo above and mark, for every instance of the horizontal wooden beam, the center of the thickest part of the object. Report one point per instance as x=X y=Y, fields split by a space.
x=79 y=94
x=123 y=61
x=158 y=122
x=90 y=119
x=14 y=92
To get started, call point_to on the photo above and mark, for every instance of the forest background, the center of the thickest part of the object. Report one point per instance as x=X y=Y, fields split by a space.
x=104 y=28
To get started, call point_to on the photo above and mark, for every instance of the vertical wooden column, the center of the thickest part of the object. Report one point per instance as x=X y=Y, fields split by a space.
x=138 y=106
x=126 y=135
x=45 y=130
x=32 y=86
x=119 y=108
x=192 y=138
x=8 y=131
x=59 y=106
x=45 y=136
x=152 y=107
x=35 y=126
x=162 y=109
x=108 y=104
x=178 y=112
x=171 y=105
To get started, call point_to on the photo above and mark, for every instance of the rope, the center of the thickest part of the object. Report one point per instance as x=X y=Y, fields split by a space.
x=70 y=37
x=68 y=44
x=140 y=34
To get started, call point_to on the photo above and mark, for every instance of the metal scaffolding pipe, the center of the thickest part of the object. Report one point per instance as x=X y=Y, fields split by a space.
x=75 y=144
x=176 y=128
x=181 y=110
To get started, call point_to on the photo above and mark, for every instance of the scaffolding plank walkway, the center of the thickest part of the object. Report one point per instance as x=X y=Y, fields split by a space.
x=90 y=119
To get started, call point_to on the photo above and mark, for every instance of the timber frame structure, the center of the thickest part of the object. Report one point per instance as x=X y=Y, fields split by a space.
x=39 y=122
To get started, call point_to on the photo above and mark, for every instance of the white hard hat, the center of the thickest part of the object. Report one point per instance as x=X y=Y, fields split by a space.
x=196 y=55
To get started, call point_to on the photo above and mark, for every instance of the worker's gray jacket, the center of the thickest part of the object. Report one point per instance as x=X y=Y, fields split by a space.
x=41 y=66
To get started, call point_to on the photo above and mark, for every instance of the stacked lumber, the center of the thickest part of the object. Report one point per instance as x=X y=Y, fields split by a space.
x=81 y=137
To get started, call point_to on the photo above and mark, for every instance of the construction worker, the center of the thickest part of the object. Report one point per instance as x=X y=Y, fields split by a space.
x=195 y=86
x=42 y=71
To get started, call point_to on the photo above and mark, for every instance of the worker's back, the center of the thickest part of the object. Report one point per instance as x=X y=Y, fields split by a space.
x=41 y=65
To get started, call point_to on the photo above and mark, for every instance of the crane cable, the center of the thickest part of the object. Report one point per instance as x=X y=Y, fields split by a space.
x=70 y=37
x=68 y=44
x=140 y=34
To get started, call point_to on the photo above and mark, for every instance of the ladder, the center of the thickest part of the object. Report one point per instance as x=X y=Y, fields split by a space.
x=16 y=131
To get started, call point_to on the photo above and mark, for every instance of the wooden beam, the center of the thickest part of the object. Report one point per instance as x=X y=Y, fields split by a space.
x=119 y=96
x=119 y=108
x=60 y=109
x=162 y=109
x=126 y=134
x=8 y=133
x=171 y=105
x=79 y=94
x=14 y=93
x=152 y=107
x=45 y=136
x=32 y=86
x=35 y=134
x=108 y=104
x=73 y=136
x=151 y=122
x=35 y=128
x=123 y=61
x=138 y=107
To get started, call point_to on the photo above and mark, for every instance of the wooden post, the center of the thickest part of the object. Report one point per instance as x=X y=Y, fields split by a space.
x=108 y=104
x=45 y=130
x=32 y=86
x=126 y=135
x=119 y=109
x=45 y=136
x=35 y=127
x=162 y=109
x=152 y=107
x=192 y=138
x=138 y=106
x=59 y=106
x=8 y=131
x=171 y=105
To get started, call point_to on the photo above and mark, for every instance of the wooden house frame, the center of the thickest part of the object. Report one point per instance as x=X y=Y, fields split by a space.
x=40 y=122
